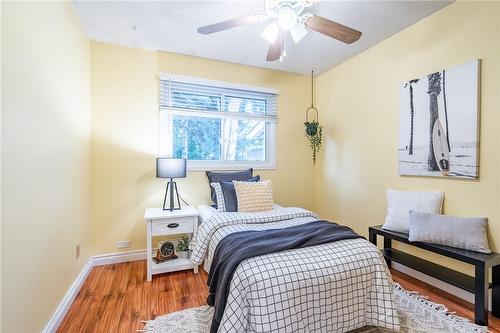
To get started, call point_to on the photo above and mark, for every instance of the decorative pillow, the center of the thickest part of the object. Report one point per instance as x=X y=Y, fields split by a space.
x=462 y=232
x=230 y=199
x=399 y=204
x=254 y=197
x=215 y=177
x=219 y=196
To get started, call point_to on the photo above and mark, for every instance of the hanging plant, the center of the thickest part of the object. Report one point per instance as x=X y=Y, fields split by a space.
x=313 y=133
x=313 y=128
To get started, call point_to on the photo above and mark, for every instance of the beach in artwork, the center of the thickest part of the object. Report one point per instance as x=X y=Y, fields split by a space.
x=463 y=161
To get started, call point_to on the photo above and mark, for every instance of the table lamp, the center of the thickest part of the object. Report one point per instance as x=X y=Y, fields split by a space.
x=171 y=168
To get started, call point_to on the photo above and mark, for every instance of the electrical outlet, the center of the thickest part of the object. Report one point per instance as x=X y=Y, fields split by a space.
x=77 y=251
x=125 y=244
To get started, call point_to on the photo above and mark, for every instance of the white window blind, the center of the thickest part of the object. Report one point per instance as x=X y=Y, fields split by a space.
x=217 y=125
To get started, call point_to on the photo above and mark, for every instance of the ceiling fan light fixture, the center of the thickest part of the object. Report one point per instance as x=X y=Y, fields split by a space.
x=271 y=32
x=287 y=18
x=287 y=15
x=298 y=32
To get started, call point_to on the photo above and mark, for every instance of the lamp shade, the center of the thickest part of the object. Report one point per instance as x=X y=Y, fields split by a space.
x=170 y=167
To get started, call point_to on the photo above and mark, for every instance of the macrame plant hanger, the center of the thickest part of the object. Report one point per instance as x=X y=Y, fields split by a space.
x=312 y=108
x=313 y=128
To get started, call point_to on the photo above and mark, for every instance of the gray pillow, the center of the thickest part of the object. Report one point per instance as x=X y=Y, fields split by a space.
x=467 y=233
x=216 y=177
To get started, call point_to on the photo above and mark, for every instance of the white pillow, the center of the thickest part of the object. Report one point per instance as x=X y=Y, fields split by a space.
x=399 y=204
x=467 y=233
x=221 y=202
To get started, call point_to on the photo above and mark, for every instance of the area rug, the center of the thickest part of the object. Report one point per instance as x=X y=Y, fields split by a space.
x=416 y=315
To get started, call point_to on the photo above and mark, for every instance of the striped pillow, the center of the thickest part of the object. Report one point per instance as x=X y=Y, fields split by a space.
x=221 y=203
x=254 y=197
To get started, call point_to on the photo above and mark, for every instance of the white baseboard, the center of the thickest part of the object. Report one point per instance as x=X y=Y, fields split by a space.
x=463 y=294
x=69 y=297
x=117 y=258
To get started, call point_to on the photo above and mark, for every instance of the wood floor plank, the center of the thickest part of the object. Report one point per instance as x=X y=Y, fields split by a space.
x=116 y=298
x=84 y=300
x=97 y=309
x=113 y=300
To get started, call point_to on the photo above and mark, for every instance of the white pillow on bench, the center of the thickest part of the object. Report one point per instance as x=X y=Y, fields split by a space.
x=399 y=204
x=467 y=233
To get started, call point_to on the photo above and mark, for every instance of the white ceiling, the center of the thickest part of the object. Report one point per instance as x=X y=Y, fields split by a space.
x=171 y=26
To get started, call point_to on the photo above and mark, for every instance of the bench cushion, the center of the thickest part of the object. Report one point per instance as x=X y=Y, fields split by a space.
x=467 y=233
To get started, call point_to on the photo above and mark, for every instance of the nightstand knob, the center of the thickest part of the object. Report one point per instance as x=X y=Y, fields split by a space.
x=173 y=225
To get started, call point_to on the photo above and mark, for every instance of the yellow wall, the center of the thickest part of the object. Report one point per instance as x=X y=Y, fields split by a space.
x=1 y=93
x=45 y=159
x=47 y=130
x=359 y=105
x=124 y=104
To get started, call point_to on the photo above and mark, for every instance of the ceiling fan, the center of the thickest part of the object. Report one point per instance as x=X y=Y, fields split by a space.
x=287 y=15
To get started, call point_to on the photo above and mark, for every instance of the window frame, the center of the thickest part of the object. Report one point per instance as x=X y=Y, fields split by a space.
x=165 y=123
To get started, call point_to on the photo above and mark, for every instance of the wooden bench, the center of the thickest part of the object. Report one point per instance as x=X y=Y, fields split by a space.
x=478 y=285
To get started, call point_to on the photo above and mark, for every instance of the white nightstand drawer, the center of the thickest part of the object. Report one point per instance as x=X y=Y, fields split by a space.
x=173 y=226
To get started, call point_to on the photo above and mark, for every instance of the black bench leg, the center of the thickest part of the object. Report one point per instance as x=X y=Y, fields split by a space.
x=481 y=287
x=387 y=245
x=372 y=237
x=495 y=299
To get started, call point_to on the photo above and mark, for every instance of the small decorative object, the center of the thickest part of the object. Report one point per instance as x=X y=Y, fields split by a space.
x=183 y=248
x=171 y=168
x=165 y=252
x=313 y=128
x=438 y=133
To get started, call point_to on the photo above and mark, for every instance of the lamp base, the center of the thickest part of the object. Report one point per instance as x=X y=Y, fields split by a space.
x=172 y=192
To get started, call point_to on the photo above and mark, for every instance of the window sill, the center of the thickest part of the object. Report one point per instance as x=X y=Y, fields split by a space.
x=228 y=165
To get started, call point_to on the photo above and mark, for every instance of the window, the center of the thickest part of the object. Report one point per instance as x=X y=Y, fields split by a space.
x=217 y=125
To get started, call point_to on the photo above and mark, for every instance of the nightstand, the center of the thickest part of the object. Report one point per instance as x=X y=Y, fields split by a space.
x=161 y=222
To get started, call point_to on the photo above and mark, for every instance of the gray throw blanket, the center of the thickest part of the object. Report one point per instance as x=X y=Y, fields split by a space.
x=236 y=247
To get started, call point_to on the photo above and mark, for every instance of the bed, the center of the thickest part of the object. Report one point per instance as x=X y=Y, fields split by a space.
x=333 y=287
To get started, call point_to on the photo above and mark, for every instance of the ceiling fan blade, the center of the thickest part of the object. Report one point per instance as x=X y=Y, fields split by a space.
x=332 y=29
x=232 y=23
x=276 y=48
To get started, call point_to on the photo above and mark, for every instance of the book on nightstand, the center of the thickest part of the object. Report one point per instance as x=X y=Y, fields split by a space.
x=159 y=261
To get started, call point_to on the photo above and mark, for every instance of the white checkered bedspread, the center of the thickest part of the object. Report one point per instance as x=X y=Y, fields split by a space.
x=335 y=287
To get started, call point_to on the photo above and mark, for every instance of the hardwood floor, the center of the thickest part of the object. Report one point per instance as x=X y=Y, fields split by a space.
x=116 y=298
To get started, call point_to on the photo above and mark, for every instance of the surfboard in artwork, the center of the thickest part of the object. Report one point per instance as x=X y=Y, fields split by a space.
x=441 y=152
